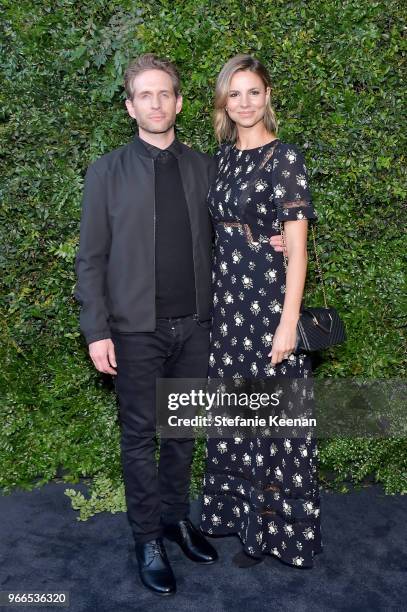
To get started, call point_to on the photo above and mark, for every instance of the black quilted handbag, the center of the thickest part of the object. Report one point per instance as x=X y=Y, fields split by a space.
x=317 y=328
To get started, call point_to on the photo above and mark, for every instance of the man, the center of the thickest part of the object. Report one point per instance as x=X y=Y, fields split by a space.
x=144 y=284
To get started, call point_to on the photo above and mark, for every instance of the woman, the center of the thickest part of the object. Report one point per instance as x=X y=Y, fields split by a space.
x=263 y=489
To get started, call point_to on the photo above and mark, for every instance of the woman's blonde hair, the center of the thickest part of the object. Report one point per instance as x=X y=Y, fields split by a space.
x=225 y=128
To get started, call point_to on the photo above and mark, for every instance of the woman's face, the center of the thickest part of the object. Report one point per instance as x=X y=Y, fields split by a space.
x=247 y=99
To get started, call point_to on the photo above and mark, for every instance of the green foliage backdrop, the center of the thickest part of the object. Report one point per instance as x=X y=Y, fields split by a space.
x=337 y=74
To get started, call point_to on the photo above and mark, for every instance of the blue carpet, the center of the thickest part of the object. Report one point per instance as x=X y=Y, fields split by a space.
x=363 y=565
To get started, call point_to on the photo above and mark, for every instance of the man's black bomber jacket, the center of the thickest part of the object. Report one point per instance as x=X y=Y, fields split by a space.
x=115 y=264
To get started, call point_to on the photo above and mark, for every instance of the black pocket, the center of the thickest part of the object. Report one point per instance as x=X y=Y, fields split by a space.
x=205 y=324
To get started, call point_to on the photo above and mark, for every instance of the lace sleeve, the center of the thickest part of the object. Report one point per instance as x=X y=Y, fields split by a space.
x=290 y=185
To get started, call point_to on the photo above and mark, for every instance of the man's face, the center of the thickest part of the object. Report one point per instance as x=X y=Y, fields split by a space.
x=154 y=105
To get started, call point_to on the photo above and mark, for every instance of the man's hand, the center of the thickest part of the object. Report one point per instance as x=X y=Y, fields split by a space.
x=102 y=354
x=277 y=243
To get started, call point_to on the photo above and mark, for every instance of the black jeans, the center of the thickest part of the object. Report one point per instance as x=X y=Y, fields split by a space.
x=178 y=348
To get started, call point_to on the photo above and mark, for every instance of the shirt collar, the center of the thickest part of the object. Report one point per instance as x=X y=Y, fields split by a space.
x=153 y=151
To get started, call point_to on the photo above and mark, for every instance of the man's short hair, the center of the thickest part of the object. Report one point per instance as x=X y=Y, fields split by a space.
x=150 y=61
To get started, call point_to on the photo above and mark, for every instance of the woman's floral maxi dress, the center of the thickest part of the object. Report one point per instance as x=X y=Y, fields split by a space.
x=263 y=489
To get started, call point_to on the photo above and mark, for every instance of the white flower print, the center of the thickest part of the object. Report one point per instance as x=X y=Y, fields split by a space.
x=243 y=186
x=301 y=180
x=259 y=537
x=308 y=533
x=269 y=370
x=246 y=508
x=236 y=256
x=259 y=459
x=239 y=319
x=207 y=500
x=271 y=275
x=291 y=156
x=297 y=480
x=237 y=170
x=289 y=530
x=247 y=460
x=227 y=195
x=212 y=360
x=228 y=297
x=230 y=524
x=260 y=185
x=255 y=307
x=225 y=486
x=273 y=449
x=308 y=507
x=241 y=490
x=267 y=339
x=238 y=439
x=276 y=552
x=275 y=306
x=216 y=520
x=254 y=369
x=222 y=446
x=300 y=215
x=286 y=508
x=266 y=321
x=236 y=511
x=278 y=473
x=233 y=341
x=269 y=257
x=233 y=278
x=287 y=445
x=298 y=560
x=247 y=344
x=285 y=173
x=252 y=265
x=303 y=450
x=261 y=209
x=223 y=329
x=223 y=266
x=247 y=282
x=279 y=191
x=272 y=527
x=250 y=167
x=227 y=359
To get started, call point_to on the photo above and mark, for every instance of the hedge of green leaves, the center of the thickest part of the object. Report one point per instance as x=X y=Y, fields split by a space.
x=337 y=74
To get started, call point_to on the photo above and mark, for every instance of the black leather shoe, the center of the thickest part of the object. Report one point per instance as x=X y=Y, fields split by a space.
x=192 y=541
x=154 y=568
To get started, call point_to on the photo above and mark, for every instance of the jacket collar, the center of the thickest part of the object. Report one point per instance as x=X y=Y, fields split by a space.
x=148 y=150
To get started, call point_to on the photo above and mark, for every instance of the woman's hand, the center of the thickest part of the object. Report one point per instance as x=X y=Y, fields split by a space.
x=284 y=341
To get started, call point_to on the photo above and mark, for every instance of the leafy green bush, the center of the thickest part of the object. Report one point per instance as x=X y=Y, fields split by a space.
x=338 y=91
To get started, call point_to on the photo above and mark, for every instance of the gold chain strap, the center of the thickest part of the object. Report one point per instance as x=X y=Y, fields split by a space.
x=316 y=259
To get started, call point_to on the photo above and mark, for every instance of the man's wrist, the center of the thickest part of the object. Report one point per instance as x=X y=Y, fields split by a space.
x=96 y=336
